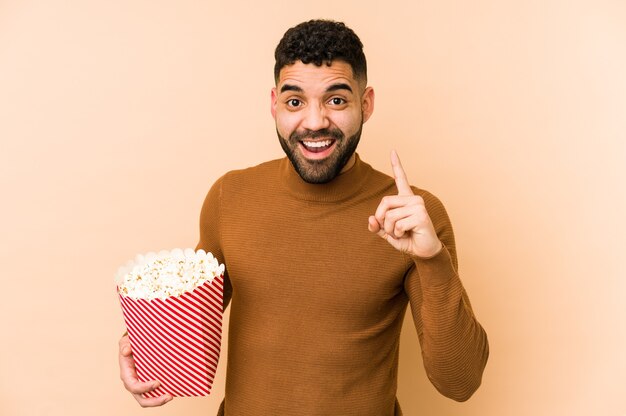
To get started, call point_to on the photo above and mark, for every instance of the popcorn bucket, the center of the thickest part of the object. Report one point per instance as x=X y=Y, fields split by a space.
x=176 y=339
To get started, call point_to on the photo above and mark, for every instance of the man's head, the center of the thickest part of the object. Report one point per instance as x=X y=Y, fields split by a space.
x=321 y=98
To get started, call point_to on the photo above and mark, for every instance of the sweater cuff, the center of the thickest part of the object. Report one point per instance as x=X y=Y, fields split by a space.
x=435 y=271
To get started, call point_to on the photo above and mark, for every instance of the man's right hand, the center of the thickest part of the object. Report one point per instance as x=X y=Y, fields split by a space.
x=128 y=374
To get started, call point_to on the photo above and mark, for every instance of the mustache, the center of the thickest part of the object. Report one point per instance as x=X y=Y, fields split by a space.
x=335 y=134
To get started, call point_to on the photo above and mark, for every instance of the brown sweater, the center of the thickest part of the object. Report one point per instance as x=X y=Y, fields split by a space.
x=318 y=300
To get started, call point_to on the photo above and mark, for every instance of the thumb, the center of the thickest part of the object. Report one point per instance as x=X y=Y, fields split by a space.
x=125 y=349
x=372 y=224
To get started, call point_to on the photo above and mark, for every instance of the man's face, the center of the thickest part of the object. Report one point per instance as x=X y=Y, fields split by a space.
x=319 y=113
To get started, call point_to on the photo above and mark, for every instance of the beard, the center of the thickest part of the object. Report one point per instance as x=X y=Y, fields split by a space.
x=324 y=170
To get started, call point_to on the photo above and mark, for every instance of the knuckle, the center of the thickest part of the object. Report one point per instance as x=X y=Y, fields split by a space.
x=130 y=388
x=396 y=214
x=123 y=345
x=134 y=389
x=125 y=381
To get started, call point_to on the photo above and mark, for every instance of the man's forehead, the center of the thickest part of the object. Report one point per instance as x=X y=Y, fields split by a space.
x=301 y=73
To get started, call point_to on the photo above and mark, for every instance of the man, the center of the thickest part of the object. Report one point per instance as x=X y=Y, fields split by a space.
x=323 y=254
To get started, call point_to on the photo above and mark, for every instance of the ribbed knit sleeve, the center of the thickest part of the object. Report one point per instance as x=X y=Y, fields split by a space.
x=210 y=231
x=454 y=345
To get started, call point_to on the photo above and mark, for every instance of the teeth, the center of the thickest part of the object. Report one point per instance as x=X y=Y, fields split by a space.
x=318 y=144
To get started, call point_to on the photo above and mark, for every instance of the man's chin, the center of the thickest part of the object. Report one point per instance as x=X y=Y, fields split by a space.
x=316 y=171
x=322 y=170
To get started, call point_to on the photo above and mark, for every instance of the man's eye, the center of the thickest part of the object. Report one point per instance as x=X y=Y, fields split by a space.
x=337 y=101
x=294 y=102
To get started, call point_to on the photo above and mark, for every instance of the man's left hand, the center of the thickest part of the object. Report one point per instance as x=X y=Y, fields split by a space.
x=402 y=220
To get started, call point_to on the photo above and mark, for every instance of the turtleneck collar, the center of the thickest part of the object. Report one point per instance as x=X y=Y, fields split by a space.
x=342 y=187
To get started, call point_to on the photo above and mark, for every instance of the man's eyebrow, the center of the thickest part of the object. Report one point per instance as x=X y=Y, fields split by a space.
x=289 y=87
x=340 y=86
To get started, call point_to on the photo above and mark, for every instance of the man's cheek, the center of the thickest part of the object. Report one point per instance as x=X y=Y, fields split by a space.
x=285 y=129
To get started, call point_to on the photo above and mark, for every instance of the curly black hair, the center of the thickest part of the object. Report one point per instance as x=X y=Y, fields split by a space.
x=318 y=42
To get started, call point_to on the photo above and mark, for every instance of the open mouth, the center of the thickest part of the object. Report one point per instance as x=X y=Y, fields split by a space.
x=317 y=146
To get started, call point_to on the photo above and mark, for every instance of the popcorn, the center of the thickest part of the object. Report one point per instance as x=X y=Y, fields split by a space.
x=167 y=274
x=173 y=308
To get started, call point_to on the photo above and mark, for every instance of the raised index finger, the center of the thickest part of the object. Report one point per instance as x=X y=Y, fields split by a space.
x=402 y=183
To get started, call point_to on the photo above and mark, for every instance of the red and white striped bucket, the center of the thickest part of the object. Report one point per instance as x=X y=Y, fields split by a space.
x=177 y=340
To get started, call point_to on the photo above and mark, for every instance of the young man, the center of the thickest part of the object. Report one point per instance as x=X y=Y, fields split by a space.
x=323 y=254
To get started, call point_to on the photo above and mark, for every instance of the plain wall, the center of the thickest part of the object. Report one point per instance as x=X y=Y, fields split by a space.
x=117 y=116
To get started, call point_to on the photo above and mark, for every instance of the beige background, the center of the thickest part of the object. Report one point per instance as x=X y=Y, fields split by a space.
x=117 y=116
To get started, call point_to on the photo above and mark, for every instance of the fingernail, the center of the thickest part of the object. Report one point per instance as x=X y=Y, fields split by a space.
x=155 y=385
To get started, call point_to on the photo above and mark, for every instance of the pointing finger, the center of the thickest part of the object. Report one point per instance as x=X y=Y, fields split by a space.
x=402 y=182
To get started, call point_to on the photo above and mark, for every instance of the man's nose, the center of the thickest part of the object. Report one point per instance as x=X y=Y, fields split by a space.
x=315 y=118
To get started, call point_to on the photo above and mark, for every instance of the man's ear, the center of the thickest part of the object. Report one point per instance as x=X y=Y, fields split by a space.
x=367 y=103
x=273 y=104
